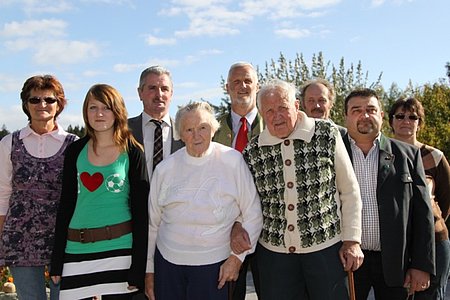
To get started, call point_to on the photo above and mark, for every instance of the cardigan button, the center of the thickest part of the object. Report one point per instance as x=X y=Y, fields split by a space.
x=291 y=207
x=288 y=162
x=291 y=249
x=291 y=227
x=290 y=184
x=287 y=142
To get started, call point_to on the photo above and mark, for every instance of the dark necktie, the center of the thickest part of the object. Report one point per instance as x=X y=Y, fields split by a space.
x=241 y=139
x=158 y=144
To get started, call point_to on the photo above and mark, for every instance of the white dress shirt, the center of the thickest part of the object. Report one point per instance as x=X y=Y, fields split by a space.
x=148 y=131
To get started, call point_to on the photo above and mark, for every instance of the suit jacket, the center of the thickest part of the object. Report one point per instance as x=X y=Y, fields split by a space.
x=135 y=125
x=406 y=219
x=225 y=134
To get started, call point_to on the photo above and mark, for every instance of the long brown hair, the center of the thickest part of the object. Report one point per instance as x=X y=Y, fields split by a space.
x=109 y=96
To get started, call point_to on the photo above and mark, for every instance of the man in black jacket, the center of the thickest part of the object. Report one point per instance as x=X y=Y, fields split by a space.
x=397 y=221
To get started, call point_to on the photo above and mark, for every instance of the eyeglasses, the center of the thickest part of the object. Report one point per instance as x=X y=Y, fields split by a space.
x=37 y=100
x=411 y=117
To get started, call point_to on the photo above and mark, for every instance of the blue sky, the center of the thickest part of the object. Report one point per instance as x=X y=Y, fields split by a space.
x=111 y=41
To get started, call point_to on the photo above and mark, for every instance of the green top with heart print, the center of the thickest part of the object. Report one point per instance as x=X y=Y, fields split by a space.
x=103 y=193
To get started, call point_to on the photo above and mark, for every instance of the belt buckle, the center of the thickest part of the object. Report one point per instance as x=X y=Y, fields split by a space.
x=82 y=234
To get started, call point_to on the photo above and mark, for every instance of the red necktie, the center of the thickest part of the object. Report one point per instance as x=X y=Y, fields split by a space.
x=241 y=139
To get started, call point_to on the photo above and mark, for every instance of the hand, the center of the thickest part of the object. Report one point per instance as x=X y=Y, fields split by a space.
x=240 y=241
x=56 y=279
x=229 y=270
x=150 y=286
x=416 y=281
x=351 y=255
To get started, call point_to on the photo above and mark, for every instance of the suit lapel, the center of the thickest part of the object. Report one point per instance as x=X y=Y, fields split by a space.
x=386 y=160
x=175 y=143
x=136 y=127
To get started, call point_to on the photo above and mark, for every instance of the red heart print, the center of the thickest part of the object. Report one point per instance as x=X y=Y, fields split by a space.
x=91 y=182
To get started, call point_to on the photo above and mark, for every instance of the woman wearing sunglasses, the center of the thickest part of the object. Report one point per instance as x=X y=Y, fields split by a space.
x=30 y=185
x=406 y=118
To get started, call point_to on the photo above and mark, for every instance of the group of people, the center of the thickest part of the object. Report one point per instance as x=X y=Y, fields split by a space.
x=157 y=208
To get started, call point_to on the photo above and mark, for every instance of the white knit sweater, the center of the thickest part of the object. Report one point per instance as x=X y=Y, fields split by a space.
x=194 y=202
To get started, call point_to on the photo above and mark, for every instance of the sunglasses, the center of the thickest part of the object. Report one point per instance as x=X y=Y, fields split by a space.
x=402 y=117
x=37 y=100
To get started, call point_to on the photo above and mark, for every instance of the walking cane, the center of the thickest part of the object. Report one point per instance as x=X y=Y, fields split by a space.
x=351 y=285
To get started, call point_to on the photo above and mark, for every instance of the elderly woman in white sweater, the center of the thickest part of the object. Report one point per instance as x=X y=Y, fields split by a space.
x=195 y=197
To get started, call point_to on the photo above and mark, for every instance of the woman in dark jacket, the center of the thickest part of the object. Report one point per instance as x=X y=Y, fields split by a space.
x=102 y=222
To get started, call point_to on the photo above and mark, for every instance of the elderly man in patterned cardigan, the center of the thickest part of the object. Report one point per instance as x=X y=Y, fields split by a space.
x=310 y=199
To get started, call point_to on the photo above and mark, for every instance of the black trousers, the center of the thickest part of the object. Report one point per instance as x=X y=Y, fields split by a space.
x=370 y=274
x=240 y=286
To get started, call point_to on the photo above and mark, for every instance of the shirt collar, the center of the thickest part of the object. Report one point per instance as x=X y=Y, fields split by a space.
x=58 y=134
x=376 y=141
x=250 y=117
x=303 y=130
x=146 y=118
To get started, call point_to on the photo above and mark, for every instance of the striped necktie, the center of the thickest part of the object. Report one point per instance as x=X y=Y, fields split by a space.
x=158 y=144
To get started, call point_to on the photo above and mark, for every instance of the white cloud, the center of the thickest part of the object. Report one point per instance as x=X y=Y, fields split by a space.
x=223 y=17
x=92 y=73
x=66 y=119
x=19 y=44
x=210 y=95
x=9 y=84
x=210 y=52
x=47 y=33
x=293 y=33
x=213 y=21
x=13 y=116
x=33 y=7
x=65 y=52
x=155 y=41
x=124 y=68
x=44 y=27
x=376 y=3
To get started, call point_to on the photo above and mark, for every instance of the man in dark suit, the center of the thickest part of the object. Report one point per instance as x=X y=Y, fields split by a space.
x=155 y=91
x=397 y=221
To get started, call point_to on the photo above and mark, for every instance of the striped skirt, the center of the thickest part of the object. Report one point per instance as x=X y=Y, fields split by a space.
x=94 y=274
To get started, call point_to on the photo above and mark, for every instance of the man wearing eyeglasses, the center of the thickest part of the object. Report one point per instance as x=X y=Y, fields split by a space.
x=397 y=221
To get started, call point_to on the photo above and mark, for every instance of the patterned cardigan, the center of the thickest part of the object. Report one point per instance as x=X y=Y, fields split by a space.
x=296 y=181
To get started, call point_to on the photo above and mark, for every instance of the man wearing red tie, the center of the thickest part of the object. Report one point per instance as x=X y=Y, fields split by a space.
x=237 y=128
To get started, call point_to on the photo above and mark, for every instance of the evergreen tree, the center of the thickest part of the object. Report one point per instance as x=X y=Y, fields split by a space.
x=77 y=130
x=3 y=131
x=297 y=72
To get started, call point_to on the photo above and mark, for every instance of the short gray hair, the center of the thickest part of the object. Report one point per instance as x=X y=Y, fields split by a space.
x=158 y=70
x=199 y=106
x=241 y=64
x=285 y=88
